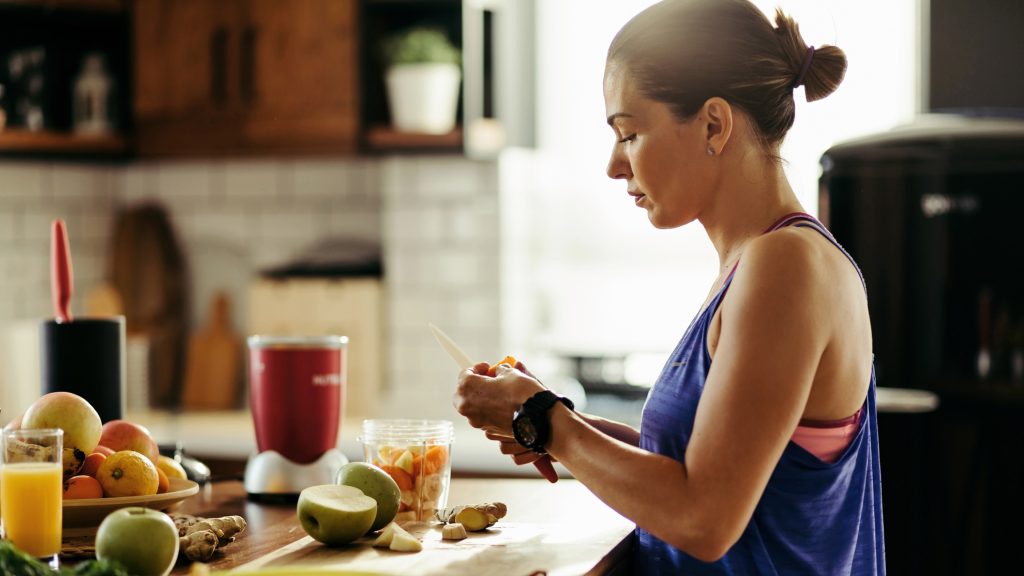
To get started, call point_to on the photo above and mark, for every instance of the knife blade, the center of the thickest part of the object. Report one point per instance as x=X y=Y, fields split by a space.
x=454 y=351
x=543 y=465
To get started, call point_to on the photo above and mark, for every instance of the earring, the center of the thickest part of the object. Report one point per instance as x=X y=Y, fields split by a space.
x=711 y=151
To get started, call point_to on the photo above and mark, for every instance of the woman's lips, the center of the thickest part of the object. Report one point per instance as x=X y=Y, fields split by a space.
x=638 y=197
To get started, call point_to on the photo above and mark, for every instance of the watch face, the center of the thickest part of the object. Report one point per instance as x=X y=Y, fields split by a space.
x=525 y=432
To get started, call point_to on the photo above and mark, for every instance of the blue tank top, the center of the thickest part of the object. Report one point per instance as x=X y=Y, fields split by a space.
x=813 y=518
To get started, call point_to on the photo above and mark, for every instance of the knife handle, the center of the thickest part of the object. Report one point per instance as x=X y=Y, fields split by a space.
x=60 y=272
x=546 y=469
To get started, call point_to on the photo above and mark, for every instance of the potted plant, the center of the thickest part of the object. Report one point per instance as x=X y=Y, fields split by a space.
x=422 y=76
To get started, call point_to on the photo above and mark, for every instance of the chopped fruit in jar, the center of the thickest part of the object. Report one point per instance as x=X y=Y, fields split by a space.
x=435 y=459
x=401 y=477
x=386 y=455
x=405 y=462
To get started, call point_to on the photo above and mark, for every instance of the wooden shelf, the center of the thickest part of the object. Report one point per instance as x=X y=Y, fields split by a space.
x=25 y=142
x=385 y=138
x=112 y=6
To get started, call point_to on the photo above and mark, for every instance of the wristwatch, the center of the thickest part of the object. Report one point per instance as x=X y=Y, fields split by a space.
x=531 y=424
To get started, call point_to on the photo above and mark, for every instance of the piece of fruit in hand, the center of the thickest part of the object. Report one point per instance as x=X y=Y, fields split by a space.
x=493 y=370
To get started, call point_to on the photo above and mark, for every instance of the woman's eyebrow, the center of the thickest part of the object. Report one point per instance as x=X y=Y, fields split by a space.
x=611 y=119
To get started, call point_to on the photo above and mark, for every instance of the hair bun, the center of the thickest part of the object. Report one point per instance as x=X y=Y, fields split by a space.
x=819 y=70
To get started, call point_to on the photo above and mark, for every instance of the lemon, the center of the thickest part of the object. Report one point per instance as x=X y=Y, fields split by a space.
x=171 y=467
x=128 y=473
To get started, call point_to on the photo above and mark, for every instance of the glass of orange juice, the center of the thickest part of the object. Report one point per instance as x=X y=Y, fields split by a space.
x=31 y=491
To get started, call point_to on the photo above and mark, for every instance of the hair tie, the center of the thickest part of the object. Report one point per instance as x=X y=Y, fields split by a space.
x=805 y=67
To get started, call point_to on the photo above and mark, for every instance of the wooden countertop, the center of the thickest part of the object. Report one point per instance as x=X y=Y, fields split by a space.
x=556 y=528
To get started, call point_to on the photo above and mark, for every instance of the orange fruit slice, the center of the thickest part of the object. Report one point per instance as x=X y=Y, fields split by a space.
x=493 y=370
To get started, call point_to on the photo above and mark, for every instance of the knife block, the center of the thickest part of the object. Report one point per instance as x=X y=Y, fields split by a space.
x=86 y=357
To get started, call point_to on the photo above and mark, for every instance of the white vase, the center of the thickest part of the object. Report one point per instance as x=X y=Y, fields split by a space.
x=423 y=97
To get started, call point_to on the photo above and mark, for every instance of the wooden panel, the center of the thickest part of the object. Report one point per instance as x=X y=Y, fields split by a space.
x=299 y=72
x=183 y=56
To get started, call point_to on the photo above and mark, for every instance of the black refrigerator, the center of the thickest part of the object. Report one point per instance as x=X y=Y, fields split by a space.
x=933 y=212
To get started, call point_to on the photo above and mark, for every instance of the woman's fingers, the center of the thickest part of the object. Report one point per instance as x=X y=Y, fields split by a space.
x=498 y=436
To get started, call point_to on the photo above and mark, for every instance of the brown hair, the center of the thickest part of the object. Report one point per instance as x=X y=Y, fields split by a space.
x=683 y=52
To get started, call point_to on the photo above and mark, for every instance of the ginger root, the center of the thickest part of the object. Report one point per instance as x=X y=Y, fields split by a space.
x=199 y=546
x=454 y=531
x=200 y=537
x=473 y=518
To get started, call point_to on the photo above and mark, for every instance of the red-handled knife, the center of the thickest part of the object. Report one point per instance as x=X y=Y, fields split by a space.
x=60 y=272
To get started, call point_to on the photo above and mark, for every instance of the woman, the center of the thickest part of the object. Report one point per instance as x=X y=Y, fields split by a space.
x=758 y=449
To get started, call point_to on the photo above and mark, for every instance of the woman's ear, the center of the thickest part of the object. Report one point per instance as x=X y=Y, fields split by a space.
x=718 y=115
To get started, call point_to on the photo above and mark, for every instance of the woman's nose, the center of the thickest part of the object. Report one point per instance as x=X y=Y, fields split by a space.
x=618 y=167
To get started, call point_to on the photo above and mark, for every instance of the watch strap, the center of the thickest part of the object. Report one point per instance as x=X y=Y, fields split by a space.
x=536 y=409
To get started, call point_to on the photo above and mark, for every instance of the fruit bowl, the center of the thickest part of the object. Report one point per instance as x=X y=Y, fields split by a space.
x=87 y=513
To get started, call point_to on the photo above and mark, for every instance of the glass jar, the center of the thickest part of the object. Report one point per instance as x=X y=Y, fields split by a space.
x=417 y=454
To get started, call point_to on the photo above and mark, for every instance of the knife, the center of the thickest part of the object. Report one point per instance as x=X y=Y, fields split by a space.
x=453 y=350
x=544 y=466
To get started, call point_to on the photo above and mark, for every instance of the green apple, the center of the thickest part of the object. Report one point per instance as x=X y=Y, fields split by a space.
x=334 y=514
x=142 y=540
x=375 y=483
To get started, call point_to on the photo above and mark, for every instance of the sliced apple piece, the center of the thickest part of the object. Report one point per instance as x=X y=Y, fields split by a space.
x=405 y=462
x=405 y=542
x=386 y=535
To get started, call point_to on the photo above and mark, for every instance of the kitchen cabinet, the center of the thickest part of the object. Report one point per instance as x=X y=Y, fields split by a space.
x=231 y=77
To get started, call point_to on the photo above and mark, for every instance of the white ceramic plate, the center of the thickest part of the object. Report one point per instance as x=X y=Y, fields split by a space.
x=89 y=512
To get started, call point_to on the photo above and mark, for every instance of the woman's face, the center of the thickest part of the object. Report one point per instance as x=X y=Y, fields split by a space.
x=664 y=161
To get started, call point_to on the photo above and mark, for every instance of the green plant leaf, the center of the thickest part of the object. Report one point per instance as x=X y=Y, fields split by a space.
x=419 y=45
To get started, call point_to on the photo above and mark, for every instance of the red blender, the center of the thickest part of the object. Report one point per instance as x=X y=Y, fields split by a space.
x=296 y=393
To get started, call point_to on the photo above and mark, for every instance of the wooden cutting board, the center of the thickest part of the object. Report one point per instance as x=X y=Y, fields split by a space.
x=213 y=368
x=556 y=529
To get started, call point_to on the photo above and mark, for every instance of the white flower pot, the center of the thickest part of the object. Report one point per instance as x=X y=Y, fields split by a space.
x=423 y=97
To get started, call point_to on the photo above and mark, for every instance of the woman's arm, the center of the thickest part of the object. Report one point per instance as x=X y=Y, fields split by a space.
x=775 y=324
x=621 y=432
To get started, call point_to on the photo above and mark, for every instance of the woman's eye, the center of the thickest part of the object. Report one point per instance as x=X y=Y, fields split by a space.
x=629 y=138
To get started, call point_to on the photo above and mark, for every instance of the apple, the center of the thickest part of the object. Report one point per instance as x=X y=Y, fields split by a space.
x=69 y=412
x=375 y=483
x=143 y=540
x=121 y=435
x=14 y=424
x=335 y=515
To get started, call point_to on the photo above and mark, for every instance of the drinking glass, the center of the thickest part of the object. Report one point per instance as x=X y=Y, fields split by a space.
x=31 y=491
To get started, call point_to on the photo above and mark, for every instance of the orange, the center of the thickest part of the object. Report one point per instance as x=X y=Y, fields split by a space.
x=435 y=459
x=128 y=473
x=164 y=484
x=92 y=464
x=82 y=487
x=402 y=478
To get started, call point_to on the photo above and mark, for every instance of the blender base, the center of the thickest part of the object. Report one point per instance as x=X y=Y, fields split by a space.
x=271 y=474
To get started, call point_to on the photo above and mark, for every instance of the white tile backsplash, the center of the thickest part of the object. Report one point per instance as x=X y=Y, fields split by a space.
x=22 y=180
x=9 y=229
x=435 y=217
x=79 y=182
x=251 y=181
x=189 y=180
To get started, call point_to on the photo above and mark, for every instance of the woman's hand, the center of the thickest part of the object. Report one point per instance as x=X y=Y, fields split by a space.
x=489 y=403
